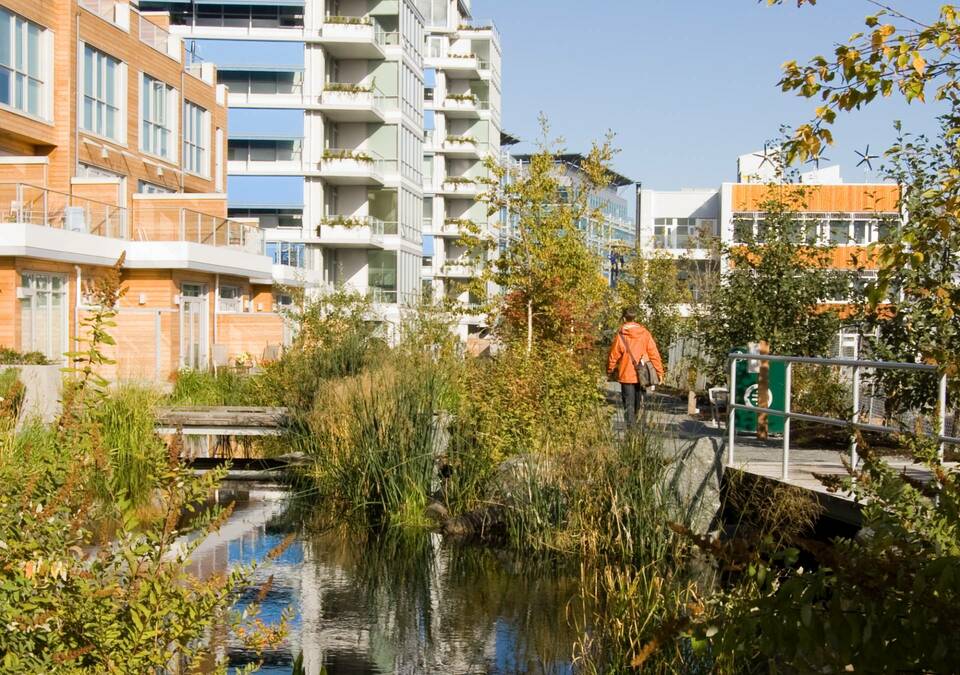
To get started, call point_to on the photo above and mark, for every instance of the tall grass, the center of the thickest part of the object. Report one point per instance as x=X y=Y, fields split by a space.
x=225 y=387
x=127 y=416
x=372 y=441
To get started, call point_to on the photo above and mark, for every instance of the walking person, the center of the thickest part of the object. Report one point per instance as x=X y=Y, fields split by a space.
x=632 y=353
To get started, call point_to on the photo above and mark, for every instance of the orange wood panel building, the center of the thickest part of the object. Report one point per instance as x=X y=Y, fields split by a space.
x=111 y=143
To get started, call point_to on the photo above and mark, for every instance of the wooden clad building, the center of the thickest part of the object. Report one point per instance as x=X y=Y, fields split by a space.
x=112 y=143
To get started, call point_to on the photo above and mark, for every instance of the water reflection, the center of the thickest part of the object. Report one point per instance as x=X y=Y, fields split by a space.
x=388 y=603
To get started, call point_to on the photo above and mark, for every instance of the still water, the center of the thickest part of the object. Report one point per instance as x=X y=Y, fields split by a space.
x=390 y=603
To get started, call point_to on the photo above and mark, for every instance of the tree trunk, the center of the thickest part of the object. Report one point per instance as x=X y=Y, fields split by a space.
x=763 y=392
x=529 y=326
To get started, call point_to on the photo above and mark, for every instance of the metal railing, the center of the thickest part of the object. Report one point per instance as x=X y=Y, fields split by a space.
x=153 y=35
x=23 y=203
x=852 y=422
x=203 y=228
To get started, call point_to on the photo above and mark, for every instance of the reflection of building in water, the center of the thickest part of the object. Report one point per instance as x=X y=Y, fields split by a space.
x=391 y=604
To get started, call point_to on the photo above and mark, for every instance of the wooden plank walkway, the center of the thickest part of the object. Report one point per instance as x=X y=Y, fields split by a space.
x=222 y=421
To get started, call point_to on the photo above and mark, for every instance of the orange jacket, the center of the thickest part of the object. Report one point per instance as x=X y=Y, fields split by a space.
x=641 y=344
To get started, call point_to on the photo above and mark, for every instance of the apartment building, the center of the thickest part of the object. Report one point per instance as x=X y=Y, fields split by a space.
x=110 y=143
x=463 y=129
x=326 y=142
x=687 y=224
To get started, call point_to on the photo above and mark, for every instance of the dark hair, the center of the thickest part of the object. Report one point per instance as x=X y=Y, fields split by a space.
x=629 y=315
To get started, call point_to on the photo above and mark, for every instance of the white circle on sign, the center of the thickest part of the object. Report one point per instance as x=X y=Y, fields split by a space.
x=751 y=397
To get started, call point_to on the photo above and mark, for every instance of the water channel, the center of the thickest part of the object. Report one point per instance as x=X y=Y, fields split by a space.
x=372 y=603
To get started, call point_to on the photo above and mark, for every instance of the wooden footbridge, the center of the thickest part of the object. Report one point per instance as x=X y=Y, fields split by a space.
x=228 y=425
x=222 y=421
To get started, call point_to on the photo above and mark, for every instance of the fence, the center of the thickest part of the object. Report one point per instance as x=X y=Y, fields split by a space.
x=857 y=368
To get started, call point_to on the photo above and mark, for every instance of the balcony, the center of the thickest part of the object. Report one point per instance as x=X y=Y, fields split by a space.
x=464 y=106
x=343 y=102
x=349 y=37
x=460 y=186
x=464 y=147
x=265 y=155
x=158 y=38
x=353 y=231
x=45 y=224
x=458 y=269
x=462 y=66
x=299 y=277
x=479 y=29
x=460 y=227
x=354 y=167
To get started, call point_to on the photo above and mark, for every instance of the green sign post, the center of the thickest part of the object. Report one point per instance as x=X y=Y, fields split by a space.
x=748 y=393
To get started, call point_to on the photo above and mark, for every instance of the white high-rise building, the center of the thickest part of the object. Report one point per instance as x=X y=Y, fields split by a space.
x=326 y=140
x=463 y=104
x=357 y=182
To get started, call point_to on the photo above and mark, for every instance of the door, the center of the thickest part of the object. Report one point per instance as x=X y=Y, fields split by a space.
x=43 y=314
x=193 y=326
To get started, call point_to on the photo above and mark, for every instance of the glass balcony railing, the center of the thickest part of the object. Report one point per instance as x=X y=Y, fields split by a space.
x=105 y=9
x=153 y=35
x=22 y=203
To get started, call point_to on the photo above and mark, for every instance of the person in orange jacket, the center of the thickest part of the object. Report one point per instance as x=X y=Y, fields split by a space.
x=632 y=341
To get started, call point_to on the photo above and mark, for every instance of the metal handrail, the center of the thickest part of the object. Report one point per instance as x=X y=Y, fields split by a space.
x=853 y=422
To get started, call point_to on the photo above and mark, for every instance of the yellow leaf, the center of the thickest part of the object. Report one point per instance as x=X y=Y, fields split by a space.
x=919 y=64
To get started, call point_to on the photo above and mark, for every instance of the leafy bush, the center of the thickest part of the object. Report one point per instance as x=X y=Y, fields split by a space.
x=13 y=357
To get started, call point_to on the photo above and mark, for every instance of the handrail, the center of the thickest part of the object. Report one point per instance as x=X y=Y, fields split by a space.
x=853 y=422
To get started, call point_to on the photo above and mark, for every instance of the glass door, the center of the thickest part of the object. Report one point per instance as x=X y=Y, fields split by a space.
x=193 y=326
x=43 y=314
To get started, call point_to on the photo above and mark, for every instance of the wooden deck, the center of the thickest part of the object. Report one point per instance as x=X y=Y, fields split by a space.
x=222 y=421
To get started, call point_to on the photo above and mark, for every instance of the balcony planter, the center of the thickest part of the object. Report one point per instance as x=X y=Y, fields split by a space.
x=348 y=222
x=461 y=140
x=348 y=20
x=347 y=88
x=462 y=98
x=347 y=155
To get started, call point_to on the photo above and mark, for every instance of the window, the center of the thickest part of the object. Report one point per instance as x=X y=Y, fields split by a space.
x=231 y=299
x=291 y=254
x=145 y=188
x=43 y=314
x=102 y=94
x=158 y=118
x=382 y=275
x=23 y=65
x=196 y=139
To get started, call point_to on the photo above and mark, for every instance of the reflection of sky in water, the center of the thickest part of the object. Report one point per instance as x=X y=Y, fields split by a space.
x=369 y=609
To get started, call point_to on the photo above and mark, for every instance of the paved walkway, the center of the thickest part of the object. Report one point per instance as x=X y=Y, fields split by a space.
x=765 y=458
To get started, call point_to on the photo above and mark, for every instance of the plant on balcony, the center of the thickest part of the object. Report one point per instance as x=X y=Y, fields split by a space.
x=461 y=56
x=349 y=20
x=459 y=180
x=348 y=222
x=348 y=88
x=460 y=140
x=462 y=97
x=460 y=222
x=467 y=26
x=356 y=155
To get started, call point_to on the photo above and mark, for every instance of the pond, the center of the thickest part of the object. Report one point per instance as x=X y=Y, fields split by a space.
x=392 y=602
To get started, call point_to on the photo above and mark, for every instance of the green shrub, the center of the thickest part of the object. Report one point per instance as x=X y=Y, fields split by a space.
x=127 y=416
x=13 y=357
x=205 y=388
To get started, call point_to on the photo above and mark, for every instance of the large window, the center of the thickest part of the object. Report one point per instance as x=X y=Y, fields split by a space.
x=291 y=254
x=43 y=314
x=23 y=65
x=196 y=139
x=231 y=299
x=382 y=275
x=158 y=119
x=102 y=94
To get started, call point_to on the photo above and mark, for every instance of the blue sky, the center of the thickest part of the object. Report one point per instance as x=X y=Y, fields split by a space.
x=687 y=85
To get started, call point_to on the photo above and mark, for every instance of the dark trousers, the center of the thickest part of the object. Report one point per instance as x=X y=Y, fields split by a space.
x=632 y=396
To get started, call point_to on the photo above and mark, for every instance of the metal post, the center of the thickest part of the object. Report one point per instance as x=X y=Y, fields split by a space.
x=942 y=411
x=183 y=225
x=731 y=411
x=20 y=202
x=855 y=418
x=788 y=389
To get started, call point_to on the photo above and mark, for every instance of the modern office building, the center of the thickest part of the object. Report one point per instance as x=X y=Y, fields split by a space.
x=111 y=144
x=326 y=144
x=463 y=129
x=687 y=224
x=614 y=231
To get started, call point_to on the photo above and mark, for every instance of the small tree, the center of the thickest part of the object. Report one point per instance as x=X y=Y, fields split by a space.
x=550 y=282
x=914 y=305
x=652 y=285
x=774 y=287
